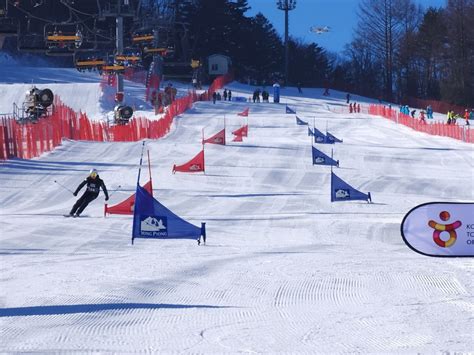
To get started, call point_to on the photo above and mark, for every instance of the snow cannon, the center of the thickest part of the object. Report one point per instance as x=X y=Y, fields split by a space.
x=122 y=114
x=36 y=104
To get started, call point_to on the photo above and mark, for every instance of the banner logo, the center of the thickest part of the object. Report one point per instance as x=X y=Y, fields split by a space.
x=440 y=229
x=195 y=167
x=449 y=228
x=153 y=226
x=342 y=193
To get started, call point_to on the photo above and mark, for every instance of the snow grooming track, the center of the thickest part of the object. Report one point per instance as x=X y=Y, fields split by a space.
x=283 y=271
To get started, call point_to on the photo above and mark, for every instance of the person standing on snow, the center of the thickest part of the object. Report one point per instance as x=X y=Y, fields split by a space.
x=94 y=183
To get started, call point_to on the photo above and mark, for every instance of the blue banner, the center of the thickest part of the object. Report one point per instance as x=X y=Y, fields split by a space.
x=320 y=137
x=319 y=158
x=332 y=138
x=154 y=221
x=289 y=110
x=342 y=191
x=300 y=122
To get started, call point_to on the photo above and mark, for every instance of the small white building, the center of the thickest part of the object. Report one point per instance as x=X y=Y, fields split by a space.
x=219 y=64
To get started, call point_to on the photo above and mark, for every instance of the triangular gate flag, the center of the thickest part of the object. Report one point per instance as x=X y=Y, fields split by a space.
x=218 y=138
x=332 y=138
x=126 y=206
x=152 y=220
x=300 y=122
x=244 y=113
x=242 y=131
x=195 y=165
x=319 y=158
x=289 y=110
x=237 y=138
x=310 y=132
x=342 y=191
x=319 y=137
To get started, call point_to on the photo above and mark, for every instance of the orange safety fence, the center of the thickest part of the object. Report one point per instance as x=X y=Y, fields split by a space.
x=30 y=140
x=462 y=133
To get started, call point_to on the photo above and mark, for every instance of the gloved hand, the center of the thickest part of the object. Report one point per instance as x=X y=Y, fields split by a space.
x=106 y=198
x=74 y=193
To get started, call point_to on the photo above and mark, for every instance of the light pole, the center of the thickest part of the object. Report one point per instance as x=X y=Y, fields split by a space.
x=286 y=5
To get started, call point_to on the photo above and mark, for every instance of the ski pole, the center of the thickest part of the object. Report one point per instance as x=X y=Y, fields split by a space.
x=64 y=187
x=114 y=191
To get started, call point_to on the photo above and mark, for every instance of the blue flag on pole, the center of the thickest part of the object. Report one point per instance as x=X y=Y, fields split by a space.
x=319 y=158
x=300 y=122
x=289 y=110
x=342 y=191
x=332 y=138
x=320 y=137
x=310 y=132
x=152 y=220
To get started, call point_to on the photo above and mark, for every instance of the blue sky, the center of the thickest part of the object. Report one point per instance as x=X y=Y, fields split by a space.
x=339 y=15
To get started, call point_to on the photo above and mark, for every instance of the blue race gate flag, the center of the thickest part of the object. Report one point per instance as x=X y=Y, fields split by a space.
x=289 y=110
x=152 y=220
x=332 y=138
x=319 y=158
x=300 y=122
x=310 y=132
x=320 y=138
x=342 y=191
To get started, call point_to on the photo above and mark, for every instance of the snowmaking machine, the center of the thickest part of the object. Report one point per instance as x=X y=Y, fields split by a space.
x=38 y=103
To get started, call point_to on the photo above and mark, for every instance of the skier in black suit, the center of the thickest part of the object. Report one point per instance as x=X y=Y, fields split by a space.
x=94 y=183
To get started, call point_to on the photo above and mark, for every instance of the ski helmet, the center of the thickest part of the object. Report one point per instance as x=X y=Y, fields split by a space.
x=93 y=173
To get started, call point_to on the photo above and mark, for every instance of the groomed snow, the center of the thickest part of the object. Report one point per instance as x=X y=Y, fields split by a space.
x=284 y=270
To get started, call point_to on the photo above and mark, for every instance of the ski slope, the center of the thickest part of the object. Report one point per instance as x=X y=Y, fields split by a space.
x=284 y=269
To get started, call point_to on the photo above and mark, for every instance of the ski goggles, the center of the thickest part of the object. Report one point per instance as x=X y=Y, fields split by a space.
x=93 y=175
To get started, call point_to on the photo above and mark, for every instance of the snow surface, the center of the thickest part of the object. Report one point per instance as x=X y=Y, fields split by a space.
x=284 y=270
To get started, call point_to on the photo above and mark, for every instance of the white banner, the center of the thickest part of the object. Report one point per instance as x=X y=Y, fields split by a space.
x=440 y=229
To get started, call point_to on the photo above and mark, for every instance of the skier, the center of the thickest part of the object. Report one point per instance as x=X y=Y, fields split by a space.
x=350 y=107
x=214 y=97
x=229 y=95
x=466 y=117
x=348 y=98
x=225 y=94
x=94 y=183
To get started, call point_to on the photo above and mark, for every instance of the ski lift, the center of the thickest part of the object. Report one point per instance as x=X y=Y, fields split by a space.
x=163 y=51
x=143 y=36
x=113 y=69
x=89 y=63
x=63 y=36
x=129 y=59
x=319 y=30
x=31 y=42
x=8 y=25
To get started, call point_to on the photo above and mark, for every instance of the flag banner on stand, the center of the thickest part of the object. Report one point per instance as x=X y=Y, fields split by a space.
x=126 y=206
x=310 y=132
x=319 y=158
x=440 y=229
x=242 y=131
x=195 y=165
x=342 y=191
x=289 y=110
x=300 y=122
x=244 y=113
x=152 y=220
x=320 y=137
x=218 y=138
x=332 y=138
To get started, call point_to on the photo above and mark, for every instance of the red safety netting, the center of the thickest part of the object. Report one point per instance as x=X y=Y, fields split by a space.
x=32 y=139
x=437 y=106
x=455 y=131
